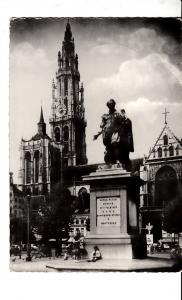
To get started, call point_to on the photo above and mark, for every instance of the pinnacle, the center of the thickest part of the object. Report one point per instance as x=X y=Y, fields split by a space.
x=41 y=116
x=68 y=33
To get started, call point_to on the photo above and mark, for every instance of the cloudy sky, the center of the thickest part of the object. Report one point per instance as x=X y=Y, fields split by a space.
x=136 y=61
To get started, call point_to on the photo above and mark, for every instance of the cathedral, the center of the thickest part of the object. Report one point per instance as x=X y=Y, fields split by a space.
x=162 y=174
x=42 y=157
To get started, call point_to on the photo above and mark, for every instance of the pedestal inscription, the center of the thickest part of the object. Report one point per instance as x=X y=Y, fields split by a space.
x=108 y=211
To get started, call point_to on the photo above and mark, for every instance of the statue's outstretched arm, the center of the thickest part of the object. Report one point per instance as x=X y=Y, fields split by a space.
x=103 y=124
x=97 y=135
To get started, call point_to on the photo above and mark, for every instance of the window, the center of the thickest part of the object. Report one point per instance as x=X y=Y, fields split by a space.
x=159 y=152
x=66 y=133
x=66 y=103
x=66 y=86
x=165 y=139
x=36 y=166
x=57 y=134
x=165 y=152
x=27 y=167
x=82 y=221
x=77 y=221
x=154 y=153
x=177 y=150
x=171 y=151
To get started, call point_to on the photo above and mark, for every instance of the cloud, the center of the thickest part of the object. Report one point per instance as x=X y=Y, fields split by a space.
x=147 y=122
x=128 y=63
x=30 y=73
x=153 y=77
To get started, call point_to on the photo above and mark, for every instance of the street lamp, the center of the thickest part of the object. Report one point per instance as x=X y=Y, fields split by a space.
x=28 y=258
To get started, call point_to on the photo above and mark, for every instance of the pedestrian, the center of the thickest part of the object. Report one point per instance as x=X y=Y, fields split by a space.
x=96 y=254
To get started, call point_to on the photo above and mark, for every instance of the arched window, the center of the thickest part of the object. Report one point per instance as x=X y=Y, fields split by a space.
x=66 y=103
x=166 y=186
x=83 y=199
x=36 y=166
x=165 y=152
x=66 y=133
x=60 y=87
x=66 y=86
x=171 y=151
x=154 y=153
x=159 y=150
x=27 y=167
x=57 y=134
x=177 y=150
x=165 y=139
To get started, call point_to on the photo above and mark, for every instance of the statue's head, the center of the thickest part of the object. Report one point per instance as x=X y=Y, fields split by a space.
x=111 y=104
x=123 y=112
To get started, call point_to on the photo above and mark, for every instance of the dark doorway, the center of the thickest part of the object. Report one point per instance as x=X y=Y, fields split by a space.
x=166 y=186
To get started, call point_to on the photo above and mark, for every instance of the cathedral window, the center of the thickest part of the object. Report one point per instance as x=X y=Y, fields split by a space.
x=66 y=103
x=36 y=166
x=159 y=152
x=60 y=87
x=66 y=133
x=27 y=167
x=57 y=134
x=66 y=86
x=171 y=151
x=165 y=139
x=165 y=152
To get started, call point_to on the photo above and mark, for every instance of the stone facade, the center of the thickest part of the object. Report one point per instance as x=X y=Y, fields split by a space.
x=42 y=158
x=17 y=201
x=162 y=173
x=67 y=111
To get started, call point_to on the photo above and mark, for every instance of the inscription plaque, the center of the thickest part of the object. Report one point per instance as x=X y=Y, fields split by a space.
x=108 y=211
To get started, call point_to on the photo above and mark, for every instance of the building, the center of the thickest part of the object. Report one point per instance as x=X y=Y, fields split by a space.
x=42 y=157
x=17 y=201
x=162 y=173
x=35 y=161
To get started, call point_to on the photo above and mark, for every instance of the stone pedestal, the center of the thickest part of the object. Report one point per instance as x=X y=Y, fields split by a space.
x=114 y=198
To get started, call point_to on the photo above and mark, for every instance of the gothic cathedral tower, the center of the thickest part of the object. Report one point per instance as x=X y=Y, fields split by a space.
x=67 y=111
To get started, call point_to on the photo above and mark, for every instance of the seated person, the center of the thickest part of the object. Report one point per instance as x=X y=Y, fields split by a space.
x=96 y=255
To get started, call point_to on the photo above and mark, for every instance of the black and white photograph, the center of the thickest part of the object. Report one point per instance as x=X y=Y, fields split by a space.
x=95 y=178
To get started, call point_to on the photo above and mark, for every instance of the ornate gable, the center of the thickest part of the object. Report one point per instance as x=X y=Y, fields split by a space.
x=167 y=146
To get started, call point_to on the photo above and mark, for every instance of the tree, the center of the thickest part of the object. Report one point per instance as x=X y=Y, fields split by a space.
x=53 y=218
x=18 y=231
x=172 y=220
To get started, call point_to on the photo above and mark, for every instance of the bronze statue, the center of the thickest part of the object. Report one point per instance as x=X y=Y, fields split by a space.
x=116 y=130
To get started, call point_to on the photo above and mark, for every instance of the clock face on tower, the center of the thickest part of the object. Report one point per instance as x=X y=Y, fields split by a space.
x=60 y=109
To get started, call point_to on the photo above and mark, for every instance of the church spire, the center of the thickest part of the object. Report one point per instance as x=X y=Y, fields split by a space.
x=68 y=33
x=41 y=124
x=41 y=116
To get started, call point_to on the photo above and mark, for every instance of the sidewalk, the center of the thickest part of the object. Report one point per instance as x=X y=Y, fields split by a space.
x=58 y=264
